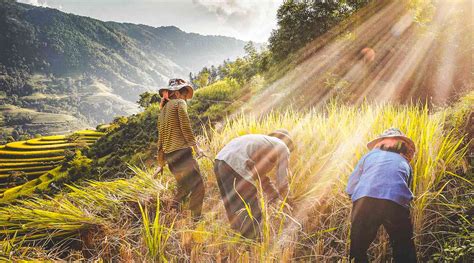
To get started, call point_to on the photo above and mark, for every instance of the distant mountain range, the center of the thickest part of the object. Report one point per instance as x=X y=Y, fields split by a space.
x=65 y=64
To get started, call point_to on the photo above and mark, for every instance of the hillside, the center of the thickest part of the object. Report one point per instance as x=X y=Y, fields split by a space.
x=58 y=63
x=417 y=51
x=35 y=165
x=128 y=219
x=103 y=202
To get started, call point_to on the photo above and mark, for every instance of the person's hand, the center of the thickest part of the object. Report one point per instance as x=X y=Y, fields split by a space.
x=283 y=205
x=157 y=171
x=198 y=151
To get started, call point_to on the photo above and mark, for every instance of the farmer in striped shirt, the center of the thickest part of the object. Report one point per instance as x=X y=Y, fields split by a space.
x=175 y=144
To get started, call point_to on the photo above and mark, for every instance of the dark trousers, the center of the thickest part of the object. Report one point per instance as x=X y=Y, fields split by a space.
x=367 y=216
x=189 y=181
x=237 y=193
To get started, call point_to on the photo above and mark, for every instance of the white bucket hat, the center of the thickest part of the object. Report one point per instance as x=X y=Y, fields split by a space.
x=177 y=84
x=393 y=133
x=285 y=136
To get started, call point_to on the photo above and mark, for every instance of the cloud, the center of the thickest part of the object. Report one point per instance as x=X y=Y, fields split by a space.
x=41 y=3
x=253 y=19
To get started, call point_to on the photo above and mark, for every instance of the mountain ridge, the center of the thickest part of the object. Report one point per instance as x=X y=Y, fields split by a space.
x=53 y=62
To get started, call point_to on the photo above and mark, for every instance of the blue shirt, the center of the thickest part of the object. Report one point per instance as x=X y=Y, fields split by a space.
x=381 y=174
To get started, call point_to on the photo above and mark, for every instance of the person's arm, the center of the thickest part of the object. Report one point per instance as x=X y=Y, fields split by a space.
x=261 y=163
x=269 y=189
x=409 y=178
x=354 y=177
x=185 y=124
x=161 y=154
x=282 y=172
x=161 y=158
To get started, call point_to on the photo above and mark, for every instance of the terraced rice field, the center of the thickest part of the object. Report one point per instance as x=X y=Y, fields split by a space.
x=28 y=160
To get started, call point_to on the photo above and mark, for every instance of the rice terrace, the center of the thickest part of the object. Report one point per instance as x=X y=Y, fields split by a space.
x=236 y=131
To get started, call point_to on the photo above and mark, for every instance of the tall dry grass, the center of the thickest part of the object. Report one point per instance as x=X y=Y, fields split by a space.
x=124 y=220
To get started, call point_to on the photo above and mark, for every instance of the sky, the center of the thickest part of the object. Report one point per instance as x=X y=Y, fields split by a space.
x=243 y=19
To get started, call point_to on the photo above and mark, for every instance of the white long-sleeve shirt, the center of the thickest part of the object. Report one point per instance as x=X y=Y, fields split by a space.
x=256 y=154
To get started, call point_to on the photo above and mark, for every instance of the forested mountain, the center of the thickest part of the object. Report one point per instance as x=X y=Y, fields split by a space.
x=59 y=63
x=364 y=67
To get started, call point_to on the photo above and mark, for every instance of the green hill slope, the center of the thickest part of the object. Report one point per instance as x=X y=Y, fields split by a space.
x=57 y=63
x=117 y=213
x=123 y=213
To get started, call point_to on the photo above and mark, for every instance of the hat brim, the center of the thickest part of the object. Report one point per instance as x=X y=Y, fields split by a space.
x=407 y=140
x=175 y=88
x=289 y=142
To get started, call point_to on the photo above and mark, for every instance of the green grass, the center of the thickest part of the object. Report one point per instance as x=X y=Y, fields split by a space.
x=40 y=141
x=42 y=183
x=28 y=169
x=23 y=146
x=29 y=174
x=8 y=181
x=90 y=133
x=30 y=154
x=25 y=164
x=35 y=157
x=54 y=138
x=39 y=159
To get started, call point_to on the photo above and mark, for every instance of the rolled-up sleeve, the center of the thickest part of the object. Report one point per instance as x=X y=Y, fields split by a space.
x=185 y=124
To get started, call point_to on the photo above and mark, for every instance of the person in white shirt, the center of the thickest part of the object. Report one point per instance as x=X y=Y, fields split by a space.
x=243 y=164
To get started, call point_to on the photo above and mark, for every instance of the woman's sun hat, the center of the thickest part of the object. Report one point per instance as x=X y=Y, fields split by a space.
x=393 y=133
x=177 y=84
x=285 y=136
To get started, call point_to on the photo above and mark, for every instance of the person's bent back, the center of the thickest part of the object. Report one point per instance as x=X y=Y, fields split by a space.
x=241 y=167
x=380 y=191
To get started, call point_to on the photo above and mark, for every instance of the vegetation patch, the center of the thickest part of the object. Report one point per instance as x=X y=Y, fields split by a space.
x=314 y=226
x=23 y=161
x=24 y=146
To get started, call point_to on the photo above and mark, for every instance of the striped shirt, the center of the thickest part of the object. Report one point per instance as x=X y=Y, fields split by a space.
x=174 y=129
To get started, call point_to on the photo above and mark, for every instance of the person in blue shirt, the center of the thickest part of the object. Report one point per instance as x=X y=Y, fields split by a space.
x=380 y=192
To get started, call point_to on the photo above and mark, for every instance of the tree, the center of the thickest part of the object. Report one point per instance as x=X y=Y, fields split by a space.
x=299 y=22
x=250 y=50
x=79 y=166
x=203 y=78
x=148 y=98
x=15 y=135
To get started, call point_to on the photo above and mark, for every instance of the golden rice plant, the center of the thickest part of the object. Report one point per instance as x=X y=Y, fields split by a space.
x=39 y=159
x=330 y=142
x=22 y=164
x=312 y=226
x=39 y=141
x=27 y=169
x=54 y=138
x=23 y=146
x=155 y=234
x=28 y=174
x=89 y=133
x=82 y=207
x=30 y=154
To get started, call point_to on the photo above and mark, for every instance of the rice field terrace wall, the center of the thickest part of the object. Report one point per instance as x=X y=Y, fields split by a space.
x=129 y=219
x=28 y=162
